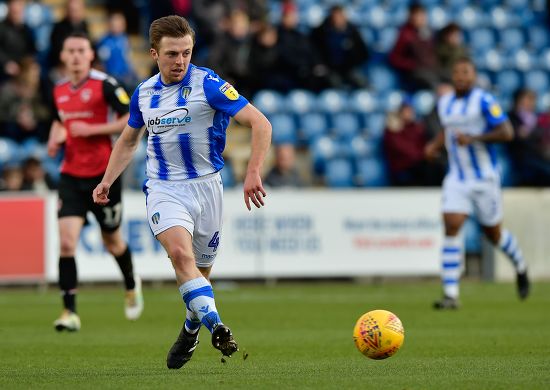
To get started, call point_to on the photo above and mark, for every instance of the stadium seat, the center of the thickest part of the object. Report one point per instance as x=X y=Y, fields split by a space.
x=423 y=102
x=33 y=148
x=300 y=101
x=537 y=38
x=457 y=5
x=268 y=102
x=517 y=5
x=312 y=126
x=371 y=172
x=51 y=167
x=339 y=173
x=284 y=129
x=543 y=102
x=481 y=40
x=376 y=17
x=507 y=81
x=9 y=151
x=536 y=80
x=511 y=40
x=228 y=176
x=469 y=17
x=345 y=125
x=322 y=150
x=438 y=17
x=375 y=125
x=385 y=39
x=362 y=147
x=392 y=99
x=493 y=60
x=362 y=101
x=332 y=101
x=500 y=18
x=381 y=78
x=523 y=60
x=314 y=15
x=484 y=80
x=508 y=176
x=544 y=59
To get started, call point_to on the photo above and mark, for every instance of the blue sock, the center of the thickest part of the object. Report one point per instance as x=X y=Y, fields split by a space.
x=199 y=298
x=451 y=260
x=510 y=247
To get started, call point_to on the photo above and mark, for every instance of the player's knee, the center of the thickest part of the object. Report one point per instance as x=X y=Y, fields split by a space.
x=115 y=248
x=67 y=245
x=180 y=257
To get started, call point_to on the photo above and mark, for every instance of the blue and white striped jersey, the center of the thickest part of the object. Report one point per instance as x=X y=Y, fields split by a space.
x=472 y=114
x=186 y=122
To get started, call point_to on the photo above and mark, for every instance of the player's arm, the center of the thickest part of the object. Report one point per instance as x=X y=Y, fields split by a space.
x=503 y=132
x=56 y=138
x=121 y=156
x=117 y=98
x=433 y=148
x=251 y=117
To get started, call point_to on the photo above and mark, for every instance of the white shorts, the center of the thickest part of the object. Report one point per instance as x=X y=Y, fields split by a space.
x=481 y=197
x=194 y=204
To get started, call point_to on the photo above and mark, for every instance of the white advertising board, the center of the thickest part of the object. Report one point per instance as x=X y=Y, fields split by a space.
x=304 y=233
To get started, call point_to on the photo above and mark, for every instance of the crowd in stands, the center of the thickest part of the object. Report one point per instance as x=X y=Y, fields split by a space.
x=353 y=98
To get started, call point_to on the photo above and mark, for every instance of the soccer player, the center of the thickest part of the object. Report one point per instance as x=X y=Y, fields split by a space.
x=472 y=121
x=186 y=110
x=86 y=104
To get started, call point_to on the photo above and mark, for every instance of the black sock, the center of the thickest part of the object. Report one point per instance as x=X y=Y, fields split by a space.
x=68 y=282
x=125 y=264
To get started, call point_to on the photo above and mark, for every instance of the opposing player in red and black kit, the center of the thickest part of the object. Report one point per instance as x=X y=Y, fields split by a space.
x=90 y=107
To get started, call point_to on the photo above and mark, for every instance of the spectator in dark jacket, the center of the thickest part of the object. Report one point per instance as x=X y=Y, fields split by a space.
x=450 y=47
x=341 y=49
x=413 y=55
x=16 y=39
x=284 y=173
x=264 y=69
x=74 y=21
x=530 y=149
x=404 y=142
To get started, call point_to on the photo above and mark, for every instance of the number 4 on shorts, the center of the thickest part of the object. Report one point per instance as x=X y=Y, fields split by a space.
x=215 y=241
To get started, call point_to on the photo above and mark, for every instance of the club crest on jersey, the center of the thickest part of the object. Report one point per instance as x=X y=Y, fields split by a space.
x=155 y=218
x=185 y=92
x=229 y=91
x=86 y=95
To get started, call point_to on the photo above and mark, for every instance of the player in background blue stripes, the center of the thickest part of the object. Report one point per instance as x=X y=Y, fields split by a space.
x=472 y=120
x=186 y=110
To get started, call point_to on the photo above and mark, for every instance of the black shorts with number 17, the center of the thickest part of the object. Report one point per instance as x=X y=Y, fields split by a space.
x=75 y=199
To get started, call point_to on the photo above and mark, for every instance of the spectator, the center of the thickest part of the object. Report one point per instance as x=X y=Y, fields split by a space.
x=284 y=173
x=16 y=39
x=74 y=21
x=34 y=177
x=341 y=49
x=264 y=61
x=12 y=178
x=530 y=149
x=450 y=47
x=299 y=65
x=413 y=55
x=113 y=50
x=25 y=114
x=209 y=16
x=404 y=142
x=131 y=13
x=230 y=53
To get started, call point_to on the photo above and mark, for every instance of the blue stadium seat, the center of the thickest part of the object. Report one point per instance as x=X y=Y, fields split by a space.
x=314 y=15
x=523 y=60
x=332 y=101
x=228 y=175
x=312 y=126
x=284 y=129
x=511 y=40
x=517 y=5
x=33 y=148
x=375 y=125
x=536 y=80
x=508 y=177
x=501 y=18
x=362 y=147
x=345 y=125
x=538 y=38
x=438 y=17
x=371 y=172
x=300 y=101
x=469 y=17
x=9 y=151
x=508 y=81
x=322 y=150
x=269 y=102
x=484 y=80
x=381 y=78
x=339 y=173
x=472 y=236
x=544 y=59
x=481 y=40
x=376 y=17
x=493 y=60
x=543 y=102
x=362 y=101
x=51 y=167
x=423 y=102
x=457 y=5
x=392 y=99
x=385 y=39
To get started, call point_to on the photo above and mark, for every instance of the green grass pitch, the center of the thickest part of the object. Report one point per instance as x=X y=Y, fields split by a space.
x=296 y=335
